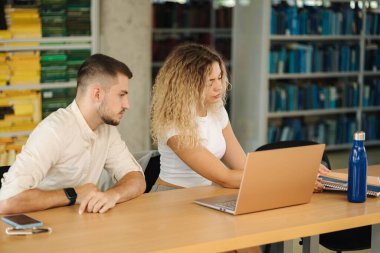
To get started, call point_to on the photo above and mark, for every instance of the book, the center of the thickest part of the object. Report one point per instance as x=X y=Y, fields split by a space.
x=335 y=181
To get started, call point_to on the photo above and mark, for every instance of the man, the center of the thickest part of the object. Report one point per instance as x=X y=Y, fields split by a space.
x=63 y=159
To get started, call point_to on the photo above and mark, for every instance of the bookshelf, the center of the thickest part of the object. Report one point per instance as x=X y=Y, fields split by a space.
x=203 y=21
x=298 y=76
x=65 y=42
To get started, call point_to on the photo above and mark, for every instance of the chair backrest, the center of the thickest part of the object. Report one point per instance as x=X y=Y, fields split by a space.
x=290 y=144
x=152 y=171
x=3 y=169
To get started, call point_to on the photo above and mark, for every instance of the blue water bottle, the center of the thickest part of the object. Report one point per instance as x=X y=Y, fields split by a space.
x=357 y=170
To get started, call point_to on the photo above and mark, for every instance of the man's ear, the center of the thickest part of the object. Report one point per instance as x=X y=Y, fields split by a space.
x=97 y=93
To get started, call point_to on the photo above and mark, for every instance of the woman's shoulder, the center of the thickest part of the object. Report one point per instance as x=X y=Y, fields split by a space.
x=219 y=113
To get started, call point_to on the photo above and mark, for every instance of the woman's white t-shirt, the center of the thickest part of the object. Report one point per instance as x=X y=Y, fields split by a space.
x=174 y=170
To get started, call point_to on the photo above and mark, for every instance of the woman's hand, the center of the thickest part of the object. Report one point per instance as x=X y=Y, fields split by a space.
x=318 y=187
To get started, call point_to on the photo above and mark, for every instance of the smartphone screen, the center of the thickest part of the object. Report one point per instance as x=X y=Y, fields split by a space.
x=21 y=221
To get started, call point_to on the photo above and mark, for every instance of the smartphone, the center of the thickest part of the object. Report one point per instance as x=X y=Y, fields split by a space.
x=26 y=231
x=21 y=221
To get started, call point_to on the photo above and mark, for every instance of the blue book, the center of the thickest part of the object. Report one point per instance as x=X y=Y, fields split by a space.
x=291 y=91
x=293 y=26
x=303 y=22
x=291 y=61
x=344 y=58
x=348 y=21
x=301 y=99
x=366 y=92
x=333 y=96
x=273 y=21
x=281 y=61
x=331 y=131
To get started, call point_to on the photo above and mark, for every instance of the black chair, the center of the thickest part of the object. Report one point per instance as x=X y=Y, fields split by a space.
x=345 y=240
x=152 y=171
x=3 y=169
x=289 y=144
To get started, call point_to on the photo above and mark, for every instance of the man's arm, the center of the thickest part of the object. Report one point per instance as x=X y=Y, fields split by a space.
x=130 y=186
x=37 y=200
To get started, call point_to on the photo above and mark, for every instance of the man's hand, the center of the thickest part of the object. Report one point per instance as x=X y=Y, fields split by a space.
x=318 y=187
x=98 y=202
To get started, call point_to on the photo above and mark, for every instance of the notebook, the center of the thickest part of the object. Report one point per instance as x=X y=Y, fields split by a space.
x=272 y=179
x=335 y=181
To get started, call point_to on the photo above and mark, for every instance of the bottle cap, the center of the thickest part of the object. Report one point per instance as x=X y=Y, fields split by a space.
x=359 y=136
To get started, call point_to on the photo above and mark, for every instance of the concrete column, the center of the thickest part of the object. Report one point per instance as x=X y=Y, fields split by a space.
x=125 y=34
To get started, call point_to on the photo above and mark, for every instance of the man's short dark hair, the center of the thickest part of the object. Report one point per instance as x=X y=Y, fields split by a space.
x=101 y=65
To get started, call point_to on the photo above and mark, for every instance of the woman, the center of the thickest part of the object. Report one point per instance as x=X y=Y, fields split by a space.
x=190 y=124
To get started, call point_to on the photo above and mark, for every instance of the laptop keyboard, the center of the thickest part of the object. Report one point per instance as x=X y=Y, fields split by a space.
x=230 y=205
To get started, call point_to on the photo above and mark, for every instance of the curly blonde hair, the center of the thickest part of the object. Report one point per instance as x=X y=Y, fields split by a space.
x=179 y=89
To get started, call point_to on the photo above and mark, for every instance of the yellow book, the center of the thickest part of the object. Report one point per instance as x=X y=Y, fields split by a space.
x=5 y=34
x=24 y=63
x=25 y=28
x=23 y=109
x=15 y=81
x=26 y=21
x=3 y=157
x=27 y=35
x=21 y=15
x=14 y=146
x=5 y=123
x=22 y=54
x=5 y=140
x=18 y=118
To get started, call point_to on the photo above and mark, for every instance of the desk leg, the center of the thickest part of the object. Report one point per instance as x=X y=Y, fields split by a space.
x=310 y=244
x=375 y=242
x=282 y=247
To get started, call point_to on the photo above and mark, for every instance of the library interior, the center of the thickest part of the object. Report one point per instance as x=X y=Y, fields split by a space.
x=299 y=69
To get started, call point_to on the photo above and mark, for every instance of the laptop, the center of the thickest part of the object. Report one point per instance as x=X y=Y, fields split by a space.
x=272 y=179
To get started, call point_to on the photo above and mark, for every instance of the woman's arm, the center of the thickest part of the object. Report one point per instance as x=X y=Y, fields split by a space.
x=207 y=165
x=235 y=156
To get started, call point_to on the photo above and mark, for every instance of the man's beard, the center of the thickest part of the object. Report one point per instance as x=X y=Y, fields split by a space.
x=107 y=119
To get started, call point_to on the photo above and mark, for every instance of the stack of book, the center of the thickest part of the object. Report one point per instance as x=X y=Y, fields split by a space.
x=74 y=59
x=371 y=124
x=4 y=70
x=290 y=96
x=306 y=58
x=24 y=23
x=25 y=68
x=53 y=66
x=9 y=148
x=56 y=98
x=20 y=110
x=371 y=93
x=53 y=16
x=340 y=19
x=78 y=17
x=338 y=130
